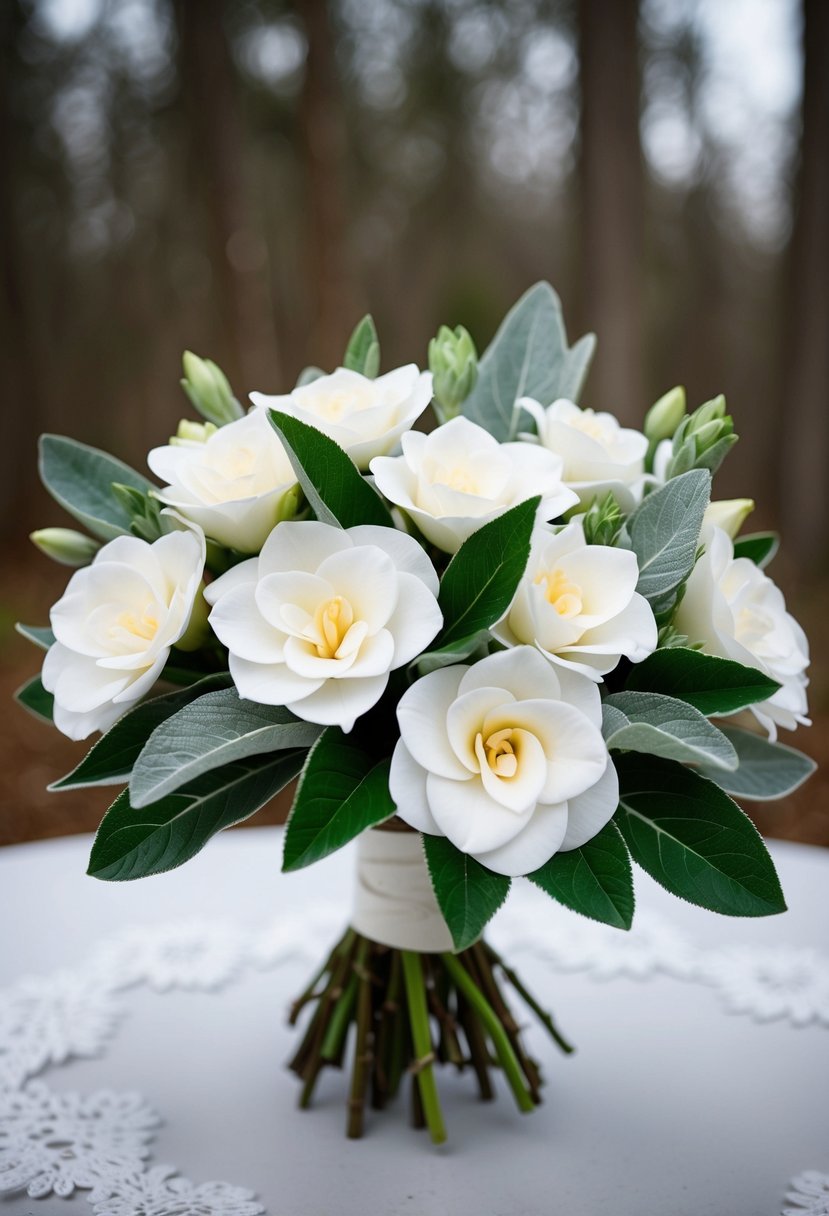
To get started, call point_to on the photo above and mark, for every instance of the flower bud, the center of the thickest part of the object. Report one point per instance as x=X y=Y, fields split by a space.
x=66 y=546
x=665 y=415
x=708 y=412
x=288 y=505
x=603 y=521
x=703 y=439
x=198 y=630
x=207 y=387
x=193 y=432
x=729 y=514
x=453 y=362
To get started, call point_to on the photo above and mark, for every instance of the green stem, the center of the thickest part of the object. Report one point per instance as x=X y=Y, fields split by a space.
x=422 y=1039
x=529 y=1000
x=503 y=1049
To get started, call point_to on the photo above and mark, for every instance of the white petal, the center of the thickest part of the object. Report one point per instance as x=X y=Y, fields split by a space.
x=522 y=670
x=407 y=554
x=269 y=683
x=416 y=621
x=301 y=545
x=237 y=576
x=340 y=702
x=473 y=821
x=533 y=846
x=421 y=715
x=368 y=579
x=590 y=811
x=239 y=625
x=465 y=721
x=77 y=682
x=407 y=786
x=632 y=632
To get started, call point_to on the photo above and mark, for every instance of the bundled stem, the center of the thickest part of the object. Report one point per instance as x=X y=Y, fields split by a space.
x=410 y=1012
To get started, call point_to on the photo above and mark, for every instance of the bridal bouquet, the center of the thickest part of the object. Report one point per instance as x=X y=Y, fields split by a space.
x=524 y=644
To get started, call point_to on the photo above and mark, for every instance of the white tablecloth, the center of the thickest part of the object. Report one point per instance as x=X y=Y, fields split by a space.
x=672 y=1104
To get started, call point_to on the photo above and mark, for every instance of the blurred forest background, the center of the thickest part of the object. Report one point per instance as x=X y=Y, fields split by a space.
x=246 y=178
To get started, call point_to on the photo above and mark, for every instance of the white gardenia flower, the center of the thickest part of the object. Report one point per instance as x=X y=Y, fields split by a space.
x=365 y=417
x=579 y=605
x=115 y=624
x=456 y=479
x=505 y=758
x=599 y=455
x=233 y=485
x=737 y=612
x=321 y=617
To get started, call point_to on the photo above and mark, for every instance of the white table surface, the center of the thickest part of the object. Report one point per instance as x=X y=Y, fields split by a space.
x=671 y=1105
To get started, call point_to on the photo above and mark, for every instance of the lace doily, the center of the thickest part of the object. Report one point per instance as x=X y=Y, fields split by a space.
x=54 y=1143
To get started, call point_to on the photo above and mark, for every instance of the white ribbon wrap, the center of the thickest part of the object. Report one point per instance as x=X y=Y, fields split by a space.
x=394 y=903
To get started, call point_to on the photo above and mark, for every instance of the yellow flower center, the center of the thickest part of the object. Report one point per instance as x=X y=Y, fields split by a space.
x=458 y=478
x=590 y=425
x=500 y=753
x=339 y=404
x=144 y=626
x=565 y=597
x=332 y=622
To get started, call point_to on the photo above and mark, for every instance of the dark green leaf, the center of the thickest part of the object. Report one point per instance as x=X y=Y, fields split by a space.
x=528 y=357
x=363 y=351
x=40 y=635
x=759 y=547
x=468 y=894
x=343 y=791
x=207 y=733
x=331 y=482
x=712 y=685
x=767 y=770
x=664 y=534
x=133 y=844
x=109 y=761
x=454 y=652
x=694 y=840
x=34 y=697
x=595 y=880
x=480 y=581
x=80 y=478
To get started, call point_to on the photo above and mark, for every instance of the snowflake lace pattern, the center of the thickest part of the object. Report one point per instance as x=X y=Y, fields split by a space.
x=808 y=1196
x=159 y=1191
x=53 y=1143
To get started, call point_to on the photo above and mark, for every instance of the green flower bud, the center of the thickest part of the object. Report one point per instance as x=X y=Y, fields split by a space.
x=665 y=415
x=66 y=546
x=708 y=412
x=603 y=521
x=729 y=514
x=453 y=362
x=192 y=432
x=209 y=391
x=288 y=505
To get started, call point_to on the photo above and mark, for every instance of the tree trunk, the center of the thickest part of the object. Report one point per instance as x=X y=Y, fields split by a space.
x=217 y=171
x=804 y=407
x=324 y=146
x=612 y=191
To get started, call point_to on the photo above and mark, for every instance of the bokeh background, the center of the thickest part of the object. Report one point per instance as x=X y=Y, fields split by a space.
x=246 y=178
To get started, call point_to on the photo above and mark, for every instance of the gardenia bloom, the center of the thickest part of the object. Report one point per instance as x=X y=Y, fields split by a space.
x=505 y=758
x=579 y=605
x=599 y=455
x=737 y=612
x=322 y=616
x=456 y=479
x=365 y=417
x=233 y=485
x=115 y=624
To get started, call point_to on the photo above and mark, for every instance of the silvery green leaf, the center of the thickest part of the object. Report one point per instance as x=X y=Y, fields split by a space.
x=80 y=478
x=664 y=726
x=308 y=375
x=212 y=731
x=363 y=351
x=664 y=533
x=528 y=357
x=766 y=770
x=39 y=635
